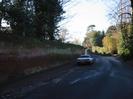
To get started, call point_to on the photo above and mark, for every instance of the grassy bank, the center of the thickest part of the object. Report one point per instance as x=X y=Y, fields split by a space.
x=31 y=56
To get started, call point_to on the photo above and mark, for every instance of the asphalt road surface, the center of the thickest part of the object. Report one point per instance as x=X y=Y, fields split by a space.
x=108 y=78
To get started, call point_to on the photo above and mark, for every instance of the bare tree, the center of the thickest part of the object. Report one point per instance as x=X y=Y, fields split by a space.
x=76 y=41
x=63 y=34
x=121 y=12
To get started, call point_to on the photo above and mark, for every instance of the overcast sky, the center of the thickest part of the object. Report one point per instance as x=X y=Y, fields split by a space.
x=83 y=13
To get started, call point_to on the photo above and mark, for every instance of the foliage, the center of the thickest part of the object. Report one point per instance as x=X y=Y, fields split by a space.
x=124 y=49
x=93 y=38
x=126 y=41
x=48 y=14
x=100 y=50
x=124 y=53
x=111 y=30
x=32 y=18
x=125 y=26
x=17 y=18
x=110 y=44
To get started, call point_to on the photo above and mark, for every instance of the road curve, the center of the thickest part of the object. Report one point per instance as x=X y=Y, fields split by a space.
x=108 y=78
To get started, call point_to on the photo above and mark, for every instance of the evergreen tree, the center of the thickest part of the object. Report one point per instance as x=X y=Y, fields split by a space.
x=32 y=18
x=47 y=15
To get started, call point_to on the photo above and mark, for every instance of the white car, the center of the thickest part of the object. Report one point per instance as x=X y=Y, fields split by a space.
x=85 y=59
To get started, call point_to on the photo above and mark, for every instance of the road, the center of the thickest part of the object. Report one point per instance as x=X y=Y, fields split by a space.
x=108 y=78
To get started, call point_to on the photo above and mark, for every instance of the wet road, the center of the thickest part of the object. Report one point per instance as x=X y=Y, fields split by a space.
x=108 y=78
